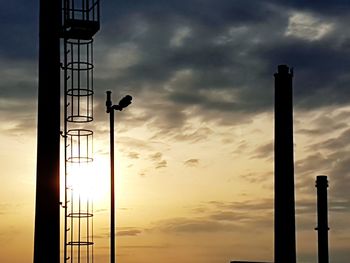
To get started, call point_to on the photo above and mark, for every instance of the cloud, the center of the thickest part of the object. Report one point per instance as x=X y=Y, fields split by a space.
x=324 y=122
x=131 y=232
x=199 y=134
x=306 y=26
x=215 y=64
x=191 y=162
x=186 y=225
x=335 y=166
x=215 y=216
x=4 y=208
x=158 y=161
x=264 y=152
x=156 y=156
x=19 y=30
x=121 y=232
x=313 y=163
x=323 y=7
x=133 y=155
x=145 y=246
x=254 y=177
x=17 y=93
x=340 y=142
x=225 y=74
x=162 y=164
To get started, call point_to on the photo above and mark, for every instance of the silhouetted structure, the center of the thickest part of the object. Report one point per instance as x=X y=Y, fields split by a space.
x=285 y=247
x=76 y=22
x=322 y=218
x=47 y=208
x=80 y=23
x=110 y=108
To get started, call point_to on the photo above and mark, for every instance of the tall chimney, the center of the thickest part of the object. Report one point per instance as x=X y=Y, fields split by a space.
x=285 y=247
x=322 y=218
x=47 y=208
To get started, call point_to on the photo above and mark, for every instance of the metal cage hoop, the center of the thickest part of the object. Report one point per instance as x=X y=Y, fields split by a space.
x=79 y=80
x=80 y=146
x=80 y=215
x=80 y=243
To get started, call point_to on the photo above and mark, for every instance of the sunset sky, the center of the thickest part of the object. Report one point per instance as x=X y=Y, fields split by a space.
x=194 y=160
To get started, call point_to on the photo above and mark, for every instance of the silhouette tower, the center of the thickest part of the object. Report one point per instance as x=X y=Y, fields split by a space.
x=81 y=21
x=47 y=203
x=322 y=218
x=285 y=248
x=75 y=22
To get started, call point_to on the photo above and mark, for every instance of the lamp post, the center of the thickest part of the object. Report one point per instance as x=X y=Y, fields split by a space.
x=123 y=103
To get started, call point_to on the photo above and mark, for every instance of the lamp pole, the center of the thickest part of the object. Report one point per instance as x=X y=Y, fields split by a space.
x=123 y=103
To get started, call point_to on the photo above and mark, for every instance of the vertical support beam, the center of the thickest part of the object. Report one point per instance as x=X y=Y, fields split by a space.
x=47 y=209
x=285 y=247
x=322 y=218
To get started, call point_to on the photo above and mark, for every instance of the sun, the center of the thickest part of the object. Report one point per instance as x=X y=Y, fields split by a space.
x=88 y=180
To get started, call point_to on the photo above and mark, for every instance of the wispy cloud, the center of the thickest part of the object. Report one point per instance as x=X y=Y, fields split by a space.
x=158 y=160
x=130 y=232
x=264 y=151
x=221 y=217
x=191 y=162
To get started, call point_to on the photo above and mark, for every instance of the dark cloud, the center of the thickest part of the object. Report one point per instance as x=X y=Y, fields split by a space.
x=223 y=72
x=324 y=7
x=320 y=70
x=19 y=29
x=185 y=59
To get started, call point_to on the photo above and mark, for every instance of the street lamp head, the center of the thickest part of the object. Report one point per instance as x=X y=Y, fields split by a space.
x=125 y=102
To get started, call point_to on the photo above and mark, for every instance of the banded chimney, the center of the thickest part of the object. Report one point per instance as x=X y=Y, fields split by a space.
x=322 y=218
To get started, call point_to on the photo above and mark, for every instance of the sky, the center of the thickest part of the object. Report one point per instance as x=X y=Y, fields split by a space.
x=194 y=160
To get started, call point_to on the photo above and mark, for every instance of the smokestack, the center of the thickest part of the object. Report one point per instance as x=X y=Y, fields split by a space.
x=285 y=247
x=47 y=208
x=322 y=218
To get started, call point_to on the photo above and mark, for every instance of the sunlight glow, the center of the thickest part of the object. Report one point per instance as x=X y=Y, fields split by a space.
x=83 y=178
